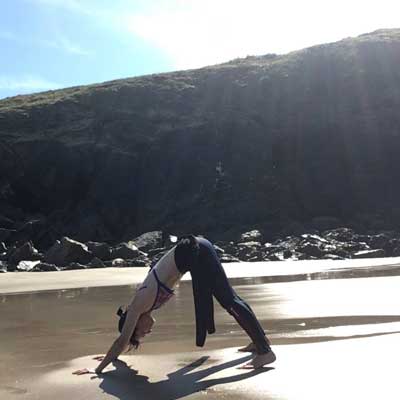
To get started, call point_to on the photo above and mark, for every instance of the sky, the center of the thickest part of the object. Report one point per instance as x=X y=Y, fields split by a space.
x=52 y=44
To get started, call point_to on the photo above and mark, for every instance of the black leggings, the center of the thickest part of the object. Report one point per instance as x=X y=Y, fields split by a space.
x=230 y=301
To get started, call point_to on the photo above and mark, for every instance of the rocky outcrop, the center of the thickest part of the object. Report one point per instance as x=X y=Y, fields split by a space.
x=337 y=244
x=66 y=251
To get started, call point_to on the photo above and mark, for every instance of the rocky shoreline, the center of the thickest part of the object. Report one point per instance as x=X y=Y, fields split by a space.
x=146 y=249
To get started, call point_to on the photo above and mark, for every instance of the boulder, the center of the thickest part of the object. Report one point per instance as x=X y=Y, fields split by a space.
x=373 y=253
x=26 y=266
x=149 y=240
x=44 y=267
x=311 y=249
x=396 y=252
x=339 y=234
x=3 y=247
x=96 y=263
x=26 y=252
x=251 y=236
x=67 y=251
x=126 y=251
x=100 y=250
x=119 y=263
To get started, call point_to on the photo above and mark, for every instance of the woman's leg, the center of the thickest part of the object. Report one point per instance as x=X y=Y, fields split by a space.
x=231 y=302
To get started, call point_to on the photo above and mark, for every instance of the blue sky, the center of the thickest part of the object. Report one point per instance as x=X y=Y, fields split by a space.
x=50 y=44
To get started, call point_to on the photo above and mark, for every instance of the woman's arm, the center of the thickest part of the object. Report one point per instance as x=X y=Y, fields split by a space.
x=120 y=344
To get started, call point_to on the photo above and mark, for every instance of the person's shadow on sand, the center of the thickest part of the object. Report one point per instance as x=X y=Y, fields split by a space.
x=126 y=384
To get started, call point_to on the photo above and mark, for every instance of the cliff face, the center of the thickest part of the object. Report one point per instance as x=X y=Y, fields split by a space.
x=256 y=142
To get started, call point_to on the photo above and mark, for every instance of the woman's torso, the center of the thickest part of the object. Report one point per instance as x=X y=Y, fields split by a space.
x=156 y=289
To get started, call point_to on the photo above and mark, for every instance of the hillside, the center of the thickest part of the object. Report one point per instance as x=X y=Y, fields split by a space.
x=271 y=142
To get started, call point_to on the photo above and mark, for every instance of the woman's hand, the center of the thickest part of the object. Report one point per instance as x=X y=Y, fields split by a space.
x=99 y=358
x=84 y=371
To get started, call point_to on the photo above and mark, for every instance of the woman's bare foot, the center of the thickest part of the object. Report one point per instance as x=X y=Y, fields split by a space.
x=250 y=348
x=260 y=360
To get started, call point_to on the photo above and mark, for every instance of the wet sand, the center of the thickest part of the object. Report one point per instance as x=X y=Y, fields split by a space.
x=335 y=330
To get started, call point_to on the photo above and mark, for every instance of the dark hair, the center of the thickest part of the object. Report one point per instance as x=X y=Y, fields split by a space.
x=122 y=317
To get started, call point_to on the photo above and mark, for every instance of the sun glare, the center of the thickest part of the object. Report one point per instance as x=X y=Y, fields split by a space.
x=198 y=33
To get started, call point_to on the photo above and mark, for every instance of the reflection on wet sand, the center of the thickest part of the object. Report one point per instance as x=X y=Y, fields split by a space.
x=42 y=331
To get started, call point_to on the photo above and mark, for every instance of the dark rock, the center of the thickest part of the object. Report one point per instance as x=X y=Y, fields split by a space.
x=374 y=253
x=96 y=263
x=26 y=252
x=278 y=256
x=67 y=251
x=248 y=250
x=3 y=266
x=100 y=250
x=44 y=267
x=313 y=238
x=396 y=252
x=339 y=234
x=149 y=240
x=126 y=251
x=312 y=250
x=251 y=236
x=3 y=247
x=287 y=253
x=139 y=262
x=119 y=263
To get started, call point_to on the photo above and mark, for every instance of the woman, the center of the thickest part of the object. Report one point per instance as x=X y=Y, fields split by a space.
x=198 y=256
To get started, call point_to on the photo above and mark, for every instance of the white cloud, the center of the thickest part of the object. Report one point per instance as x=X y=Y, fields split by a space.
x=27 y=83
x=61 y=43
x=64 y=44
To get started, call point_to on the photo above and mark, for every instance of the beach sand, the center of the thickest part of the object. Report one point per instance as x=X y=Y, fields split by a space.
x=335 y=328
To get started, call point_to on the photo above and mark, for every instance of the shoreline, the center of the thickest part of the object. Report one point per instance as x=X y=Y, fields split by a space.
x=30 y=282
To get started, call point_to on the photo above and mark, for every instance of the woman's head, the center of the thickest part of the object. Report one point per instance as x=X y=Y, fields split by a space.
x=143 y=326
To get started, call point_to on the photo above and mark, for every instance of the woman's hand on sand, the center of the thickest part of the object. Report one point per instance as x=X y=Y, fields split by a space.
x=99 y=358
x=84 y=371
